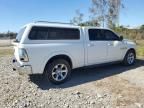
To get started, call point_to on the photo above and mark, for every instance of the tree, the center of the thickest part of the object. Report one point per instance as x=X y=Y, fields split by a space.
x=102 y=12
x=106 y=11
x=78 y=19
x=98 y=11
x=113 y=12
x=90 y=23
x=8 y=35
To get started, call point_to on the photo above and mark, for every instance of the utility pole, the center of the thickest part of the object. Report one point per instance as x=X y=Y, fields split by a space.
x=103 y=19
x=9 y=37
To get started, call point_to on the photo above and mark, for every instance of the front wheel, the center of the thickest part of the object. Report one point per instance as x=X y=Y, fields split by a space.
x=130 y=58
x=58 y=71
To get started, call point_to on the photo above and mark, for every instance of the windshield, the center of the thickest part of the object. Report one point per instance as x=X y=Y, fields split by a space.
x=19 y=35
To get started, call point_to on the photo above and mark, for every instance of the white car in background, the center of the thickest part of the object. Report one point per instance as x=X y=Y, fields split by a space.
x=54 y=49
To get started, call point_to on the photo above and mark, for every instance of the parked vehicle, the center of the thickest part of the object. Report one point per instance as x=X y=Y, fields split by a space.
x=54 y=49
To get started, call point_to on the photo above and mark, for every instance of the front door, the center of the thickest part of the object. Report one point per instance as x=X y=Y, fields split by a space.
x=115 y=46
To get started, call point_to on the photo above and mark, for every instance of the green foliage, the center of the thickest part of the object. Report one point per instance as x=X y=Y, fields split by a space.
x=142 y=27
x=90 y=23
x=135 y=34
x=140 y=47
x=140 y=51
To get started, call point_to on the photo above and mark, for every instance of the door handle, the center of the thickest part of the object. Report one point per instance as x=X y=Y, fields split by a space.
x=91 y=44
x=110 y=44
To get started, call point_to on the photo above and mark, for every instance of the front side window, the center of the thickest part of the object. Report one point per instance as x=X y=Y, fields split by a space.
x=102 y=35
x=109 y=35
x=53 y=33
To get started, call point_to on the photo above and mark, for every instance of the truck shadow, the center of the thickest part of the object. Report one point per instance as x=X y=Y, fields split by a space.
x=85 y=75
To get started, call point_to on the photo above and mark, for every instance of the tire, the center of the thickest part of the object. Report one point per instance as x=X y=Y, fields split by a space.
x=58 y=71
x=129 y=58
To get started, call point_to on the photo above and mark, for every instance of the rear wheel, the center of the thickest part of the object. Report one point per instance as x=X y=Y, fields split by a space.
x=58 y=71
x=129 y=58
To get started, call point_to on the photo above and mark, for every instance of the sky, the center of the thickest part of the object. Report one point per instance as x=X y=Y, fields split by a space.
x=15 y=13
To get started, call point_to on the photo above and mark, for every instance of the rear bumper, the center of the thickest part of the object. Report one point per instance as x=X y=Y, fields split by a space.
x=26 y=69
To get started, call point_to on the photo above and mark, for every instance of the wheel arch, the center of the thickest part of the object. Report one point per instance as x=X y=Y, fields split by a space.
x=131 y=49
x=59 y=56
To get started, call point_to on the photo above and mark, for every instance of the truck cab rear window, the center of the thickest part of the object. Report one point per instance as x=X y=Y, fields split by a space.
x=52 y=33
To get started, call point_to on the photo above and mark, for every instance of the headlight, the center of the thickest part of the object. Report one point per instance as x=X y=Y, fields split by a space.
x=23 y=55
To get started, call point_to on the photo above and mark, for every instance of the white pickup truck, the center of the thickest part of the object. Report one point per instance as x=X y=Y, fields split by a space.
x=54 y=49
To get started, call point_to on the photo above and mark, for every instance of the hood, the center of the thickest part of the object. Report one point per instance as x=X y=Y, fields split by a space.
x=127 y=41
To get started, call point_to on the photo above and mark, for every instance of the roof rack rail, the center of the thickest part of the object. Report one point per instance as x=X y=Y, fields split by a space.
x=53 y=22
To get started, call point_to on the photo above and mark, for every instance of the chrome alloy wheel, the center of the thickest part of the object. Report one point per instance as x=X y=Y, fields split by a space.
x=59 y=72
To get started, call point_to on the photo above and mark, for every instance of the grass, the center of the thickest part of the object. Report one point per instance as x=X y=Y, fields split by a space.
x=6 y=51
x=140 y=48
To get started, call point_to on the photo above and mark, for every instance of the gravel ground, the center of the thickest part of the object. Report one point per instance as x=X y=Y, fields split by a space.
x=112 y=86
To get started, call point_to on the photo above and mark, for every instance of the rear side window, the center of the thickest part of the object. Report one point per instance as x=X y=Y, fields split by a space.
x=38 y=33
x=52 y=33
x=95 y=35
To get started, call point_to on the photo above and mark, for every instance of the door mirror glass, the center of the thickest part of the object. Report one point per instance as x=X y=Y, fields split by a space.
x=121 y=38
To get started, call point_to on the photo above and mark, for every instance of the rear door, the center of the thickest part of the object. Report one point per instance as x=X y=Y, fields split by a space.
x=96 y=47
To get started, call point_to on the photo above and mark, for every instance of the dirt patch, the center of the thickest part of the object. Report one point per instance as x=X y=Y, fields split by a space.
x=125 y=93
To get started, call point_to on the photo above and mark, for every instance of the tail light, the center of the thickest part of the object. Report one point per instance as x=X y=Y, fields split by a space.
x=23 y=56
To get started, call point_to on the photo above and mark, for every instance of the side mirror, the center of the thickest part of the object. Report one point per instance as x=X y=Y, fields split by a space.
x=121 y=38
